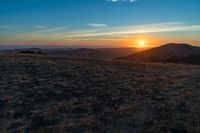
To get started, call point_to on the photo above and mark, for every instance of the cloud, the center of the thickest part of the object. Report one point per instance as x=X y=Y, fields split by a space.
x=132 y=29
x=98 y=25
x=117 y=32
x=130 y=1
x=53 y=29
x=47 y=30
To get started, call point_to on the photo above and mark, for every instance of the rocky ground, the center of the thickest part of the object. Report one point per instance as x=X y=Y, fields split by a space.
x=50 y=95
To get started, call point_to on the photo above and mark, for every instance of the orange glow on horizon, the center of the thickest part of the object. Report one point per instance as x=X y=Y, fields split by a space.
x=141 y=43
x=145 y=41
x=135 y=41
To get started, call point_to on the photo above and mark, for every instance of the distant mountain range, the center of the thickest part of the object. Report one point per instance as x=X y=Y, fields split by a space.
x=169 y=53
x=87 y=53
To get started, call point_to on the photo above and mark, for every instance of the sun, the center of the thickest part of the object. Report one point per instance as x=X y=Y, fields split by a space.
x=141 y=43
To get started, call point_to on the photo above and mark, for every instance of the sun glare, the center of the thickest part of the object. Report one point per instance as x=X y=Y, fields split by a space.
x=141 y=43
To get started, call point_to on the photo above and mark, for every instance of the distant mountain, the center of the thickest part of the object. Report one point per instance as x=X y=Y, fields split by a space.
x=102 y=53
x=87 y=53
x=174 y=53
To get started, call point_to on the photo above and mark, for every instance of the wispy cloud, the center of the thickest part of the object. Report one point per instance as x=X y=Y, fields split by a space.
x=96 y=25
x=118 y=32
x=132 y=29
x=52 y=29
x=115 y=1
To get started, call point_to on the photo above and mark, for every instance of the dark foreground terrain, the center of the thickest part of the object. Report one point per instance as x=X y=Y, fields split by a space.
x=47 y=95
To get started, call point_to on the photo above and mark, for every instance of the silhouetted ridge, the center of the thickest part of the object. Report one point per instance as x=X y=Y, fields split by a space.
x=31 y=52
x=82 y=53
x=171 y=52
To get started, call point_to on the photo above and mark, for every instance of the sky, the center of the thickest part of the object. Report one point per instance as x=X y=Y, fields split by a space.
x=98 y=23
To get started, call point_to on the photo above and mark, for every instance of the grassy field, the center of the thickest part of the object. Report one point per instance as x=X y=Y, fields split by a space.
x=46 y=94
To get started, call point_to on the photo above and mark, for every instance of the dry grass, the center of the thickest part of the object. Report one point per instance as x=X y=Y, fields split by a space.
x=43 y=94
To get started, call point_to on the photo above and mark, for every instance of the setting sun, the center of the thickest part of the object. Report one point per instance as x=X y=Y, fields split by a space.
x=141 y=43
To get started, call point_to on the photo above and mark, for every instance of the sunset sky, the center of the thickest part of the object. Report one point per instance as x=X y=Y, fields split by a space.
x=99 y=23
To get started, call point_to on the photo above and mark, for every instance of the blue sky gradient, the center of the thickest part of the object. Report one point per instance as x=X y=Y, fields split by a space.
x=96 y=22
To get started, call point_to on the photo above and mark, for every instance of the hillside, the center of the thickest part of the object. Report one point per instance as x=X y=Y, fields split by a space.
x=48 y=94
x=86 y=53
x=176 y=53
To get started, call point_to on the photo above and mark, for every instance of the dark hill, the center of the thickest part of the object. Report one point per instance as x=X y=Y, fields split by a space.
x=83 y=53
x=175 y=53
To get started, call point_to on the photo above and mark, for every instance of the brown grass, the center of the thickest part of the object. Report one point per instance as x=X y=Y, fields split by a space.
x=46 y=94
